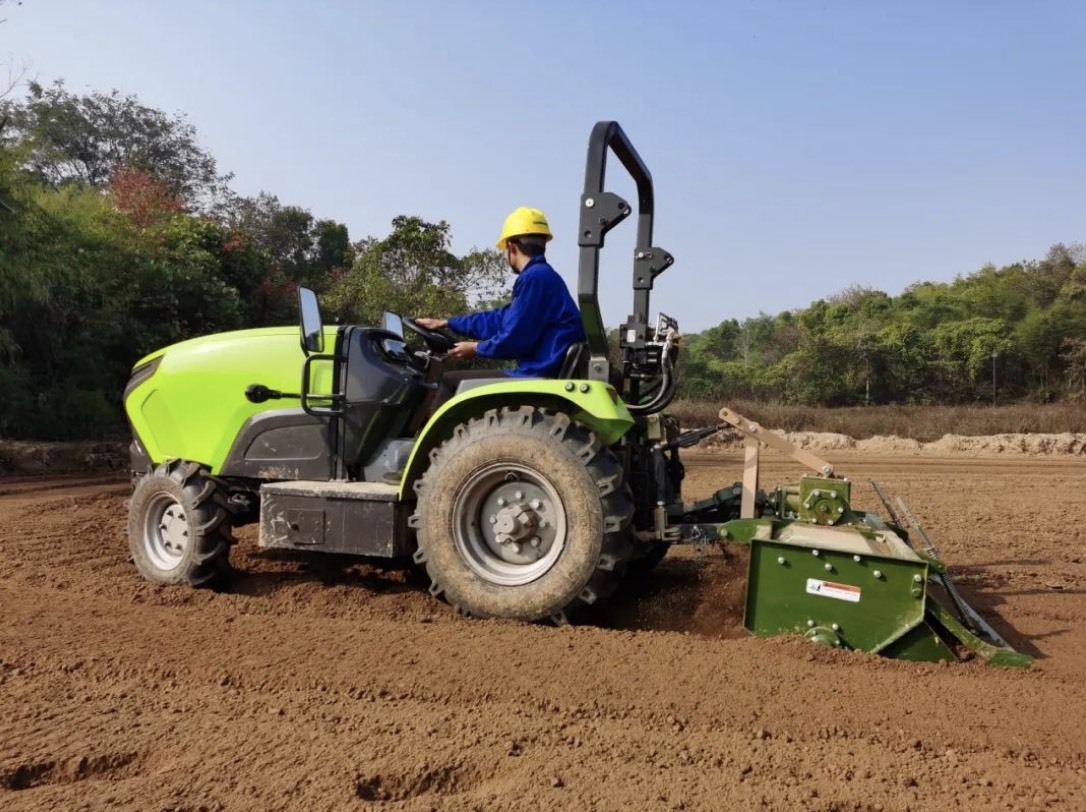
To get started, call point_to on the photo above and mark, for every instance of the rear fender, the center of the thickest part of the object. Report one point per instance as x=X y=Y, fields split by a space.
x=594 y=404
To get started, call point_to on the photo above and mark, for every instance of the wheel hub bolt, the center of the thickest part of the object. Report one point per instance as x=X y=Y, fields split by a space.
x=535 y=541
x=516 y=547
x=501 y=501
x=536 y=504
x=519 y=495
x=493 y=519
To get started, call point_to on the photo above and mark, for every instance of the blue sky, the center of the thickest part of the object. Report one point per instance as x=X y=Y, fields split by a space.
x=798 y=148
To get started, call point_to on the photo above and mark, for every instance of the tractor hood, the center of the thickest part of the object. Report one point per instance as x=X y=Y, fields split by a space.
x=187 y=401
x=217 y=340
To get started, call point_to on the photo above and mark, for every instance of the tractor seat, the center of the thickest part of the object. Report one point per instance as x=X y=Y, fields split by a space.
x=472 y=383
x=573 y=366
x=575 y=362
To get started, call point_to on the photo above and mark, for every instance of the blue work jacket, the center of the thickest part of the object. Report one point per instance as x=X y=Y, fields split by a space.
x=535 y=329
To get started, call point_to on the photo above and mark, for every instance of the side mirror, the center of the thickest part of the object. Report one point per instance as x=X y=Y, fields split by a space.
x=312 y=329
x=393 y=323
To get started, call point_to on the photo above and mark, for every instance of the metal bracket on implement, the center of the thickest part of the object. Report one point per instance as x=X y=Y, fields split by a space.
x=756 y=435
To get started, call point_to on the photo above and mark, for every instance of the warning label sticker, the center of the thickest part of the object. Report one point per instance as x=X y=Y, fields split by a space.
x=828 y=589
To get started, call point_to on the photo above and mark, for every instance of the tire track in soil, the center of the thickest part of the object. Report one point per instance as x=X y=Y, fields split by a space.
x=336 y=685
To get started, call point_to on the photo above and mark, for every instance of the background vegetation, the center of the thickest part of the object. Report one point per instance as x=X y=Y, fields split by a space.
x=996 y=335
x=119 y=234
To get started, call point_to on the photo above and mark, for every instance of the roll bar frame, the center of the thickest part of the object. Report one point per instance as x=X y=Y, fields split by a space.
x=600 y=212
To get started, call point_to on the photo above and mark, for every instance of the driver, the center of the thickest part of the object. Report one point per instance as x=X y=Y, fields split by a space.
x=536 y=328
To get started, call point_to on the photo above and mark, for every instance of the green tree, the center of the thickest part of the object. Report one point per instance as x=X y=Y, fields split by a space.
x=413 y=271
x=89 y=282
x=1073 y=355
x=905 y=355
x=1042 y=339
x=300 y=248
x=331 y=249
x=83 y=139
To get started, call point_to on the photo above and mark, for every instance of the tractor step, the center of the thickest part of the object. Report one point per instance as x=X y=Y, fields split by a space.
x=356 y=518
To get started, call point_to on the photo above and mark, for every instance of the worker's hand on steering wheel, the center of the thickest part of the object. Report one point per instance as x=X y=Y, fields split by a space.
x=464 y=350
x=432 y=324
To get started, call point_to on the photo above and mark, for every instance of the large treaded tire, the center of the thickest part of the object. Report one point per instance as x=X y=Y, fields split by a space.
x=647 y=559
x=178 y=532
x=524 y=456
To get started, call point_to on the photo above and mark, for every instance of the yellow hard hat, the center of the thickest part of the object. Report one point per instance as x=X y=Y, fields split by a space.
x=524 y=221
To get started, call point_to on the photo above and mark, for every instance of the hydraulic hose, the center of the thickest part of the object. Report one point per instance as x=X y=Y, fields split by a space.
x=661 y=399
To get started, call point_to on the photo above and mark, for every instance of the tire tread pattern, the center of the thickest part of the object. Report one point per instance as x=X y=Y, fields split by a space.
x=197 y=492
x=603 y=468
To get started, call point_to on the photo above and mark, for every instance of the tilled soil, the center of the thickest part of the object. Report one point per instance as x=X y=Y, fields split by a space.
x=317 y=684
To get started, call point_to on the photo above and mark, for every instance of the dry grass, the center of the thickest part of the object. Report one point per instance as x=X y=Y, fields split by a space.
x=922 y=423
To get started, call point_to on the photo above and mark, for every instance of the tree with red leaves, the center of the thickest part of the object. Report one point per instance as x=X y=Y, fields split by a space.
x=145 y=199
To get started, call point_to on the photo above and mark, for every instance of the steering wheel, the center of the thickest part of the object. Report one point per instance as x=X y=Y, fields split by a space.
x=435 y=341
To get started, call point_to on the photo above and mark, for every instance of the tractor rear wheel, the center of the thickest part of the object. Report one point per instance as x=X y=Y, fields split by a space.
x=177 y=532
x=648 y=558
x=523 y=514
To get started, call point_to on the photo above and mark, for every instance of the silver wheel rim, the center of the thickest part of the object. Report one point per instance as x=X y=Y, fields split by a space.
x=165 y=532
x=510 y=525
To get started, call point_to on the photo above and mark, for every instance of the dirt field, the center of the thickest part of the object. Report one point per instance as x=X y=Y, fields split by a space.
x=317 y=684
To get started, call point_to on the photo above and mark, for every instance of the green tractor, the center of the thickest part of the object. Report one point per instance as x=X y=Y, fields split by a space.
x=522 y=498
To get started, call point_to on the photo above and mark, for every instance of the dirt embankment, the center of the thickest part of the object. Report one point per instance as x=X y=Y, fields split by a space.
x=1033 y=445
x=19 y=458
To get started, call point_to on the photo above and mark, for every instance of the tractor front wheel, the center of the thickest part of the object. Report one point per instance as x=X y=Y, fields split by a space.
x=177 y=532
x=523 y=514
